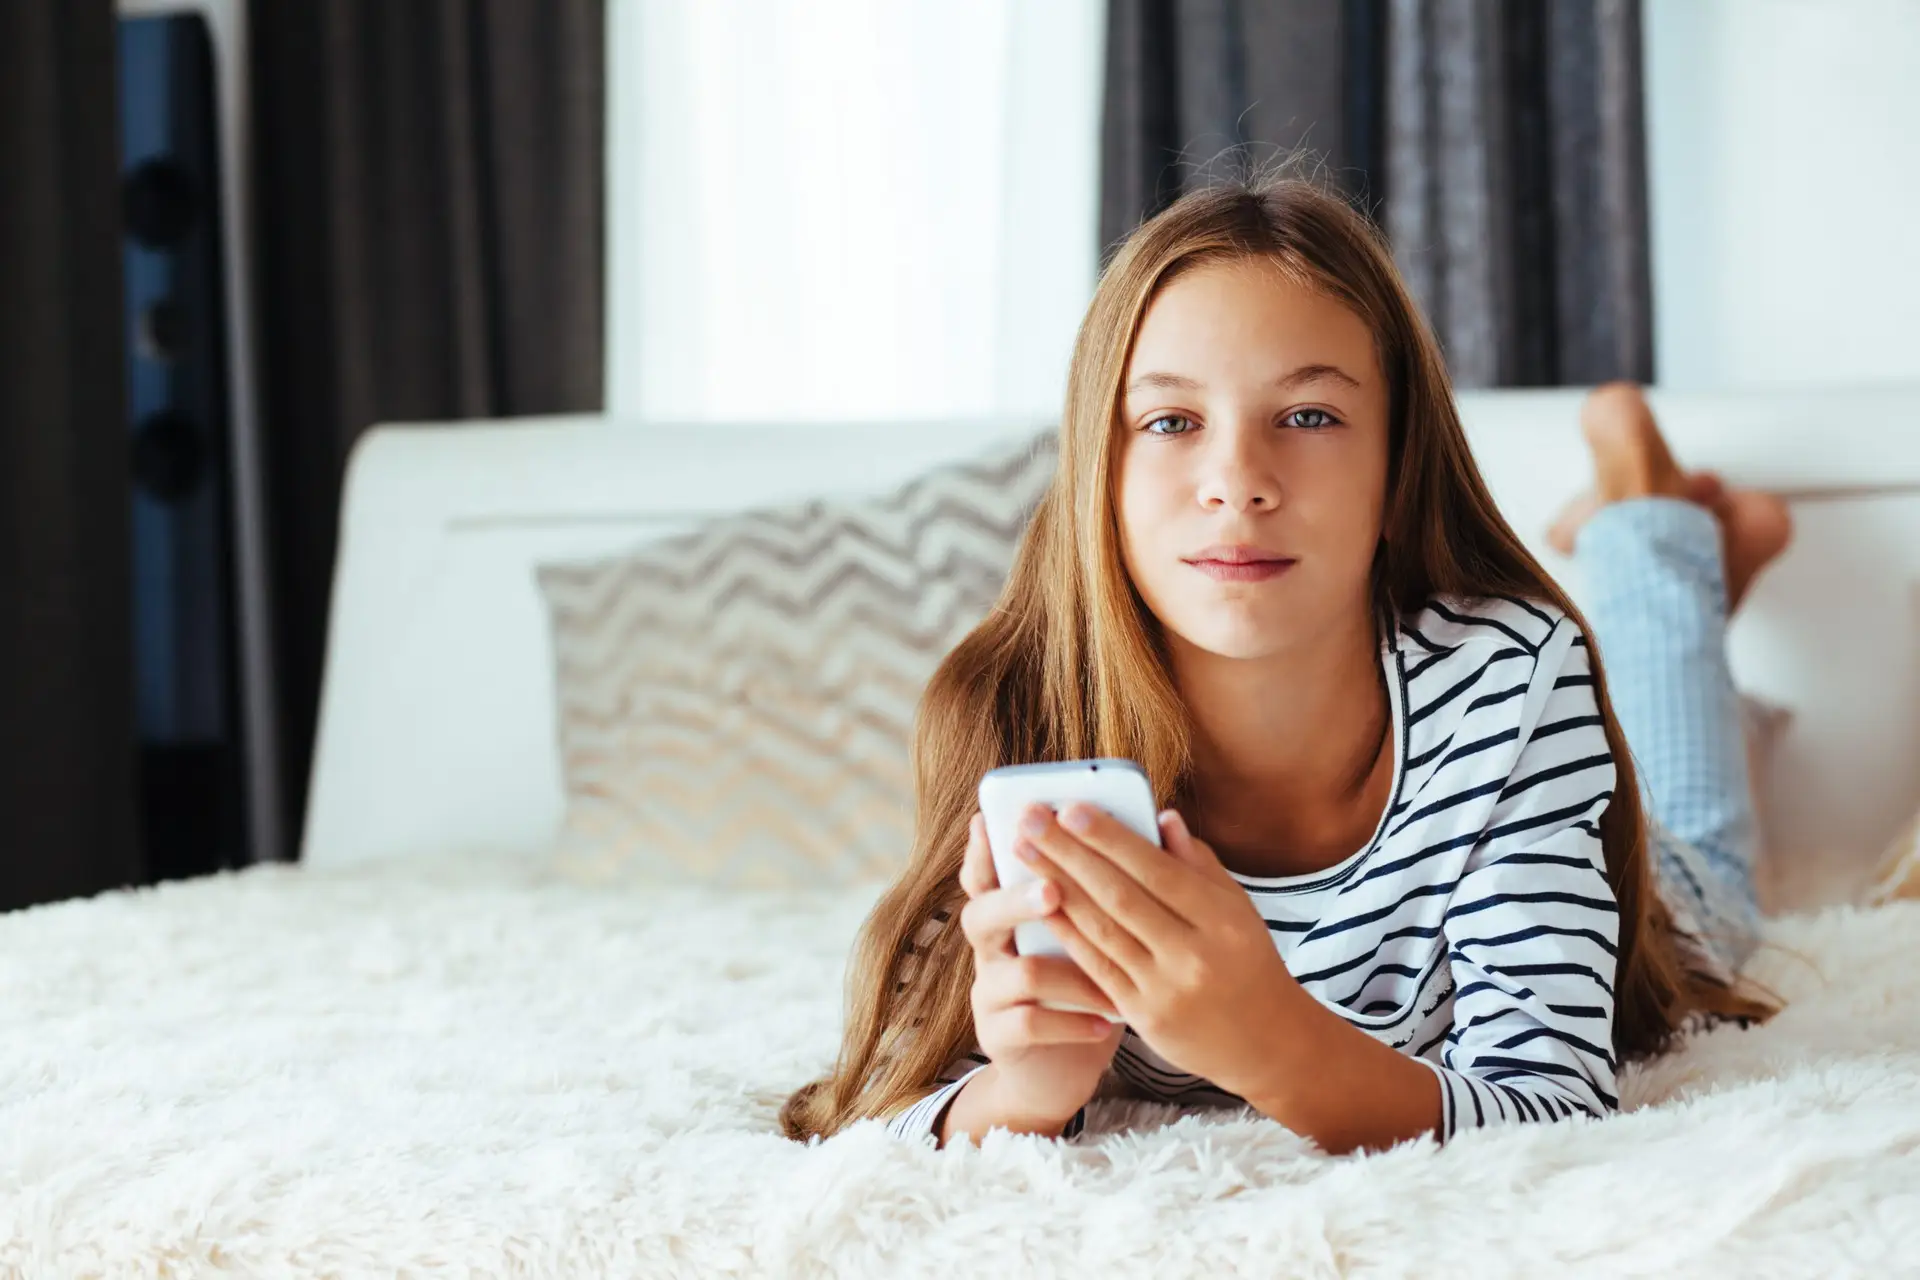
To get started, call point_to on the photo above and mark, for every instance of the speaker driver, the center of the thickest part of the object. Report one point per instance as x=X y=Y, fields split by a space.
x=169 y=457
x=161 y=204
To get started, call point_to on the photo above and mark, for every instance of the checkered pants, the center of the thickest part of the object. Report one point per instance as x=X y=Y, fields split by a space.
x=1656 y=602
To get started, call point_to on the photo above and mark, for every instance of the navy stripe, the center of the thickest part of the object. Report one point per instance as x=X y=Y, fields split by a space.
x=1125 y=1056
x=1368 y=917
x=1445 y=698
x=1420 y=667
x=1409 y=630
x=1568 y=769
x=1476 y=987
x=1402 y=970
x=1522 y=1067
x=1467 y=751
x=1540 y=931
x=1520 y=603
x=1494 y=699
x=1496 y=624
x=1170 y=1085
x=1553 y=859
x=1570 y=682
x=1571 y=1041
x=1607 y=905
x=1495 y=1016
x=1562 y=726
x=1578 y=1010
x=1550 y=970
x=1398 y=864
x=1441 y=806
x=1520 y=1102
x=1410 y=931
x=1544 y=819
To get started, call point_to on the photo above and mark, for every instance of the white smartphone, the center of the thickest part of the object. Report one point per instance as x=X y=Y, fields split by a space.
x=1118 y=786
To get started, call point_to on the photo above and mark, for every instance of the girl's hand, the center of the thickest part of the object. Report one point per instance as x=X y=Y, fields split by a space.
x=1171 y=938
x=1046 y=1063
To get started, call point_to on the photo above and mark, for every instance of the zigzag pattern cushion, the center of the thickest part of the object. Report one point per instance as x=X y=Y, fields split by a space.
x=736 y=703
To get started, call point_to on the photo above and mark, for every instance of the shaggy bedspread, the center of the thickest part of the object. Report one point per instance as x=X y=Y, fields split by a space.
x=464 y=1069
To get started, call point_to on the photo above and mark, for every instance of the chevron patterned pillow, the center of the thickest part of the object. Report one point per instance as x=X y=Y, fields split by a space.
x=736 y=703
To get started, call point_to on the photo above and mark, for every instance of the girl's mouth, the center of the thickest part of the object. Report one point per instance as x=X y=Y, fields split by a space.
x=1226 y=566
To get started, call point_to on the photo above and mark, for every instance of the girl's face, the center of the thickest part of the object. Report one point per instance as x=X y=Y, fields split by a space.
x=1252 y=461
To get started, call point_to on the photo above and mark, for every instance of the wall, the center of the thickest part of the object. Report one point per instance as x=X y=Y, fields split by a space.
x=1784 y=158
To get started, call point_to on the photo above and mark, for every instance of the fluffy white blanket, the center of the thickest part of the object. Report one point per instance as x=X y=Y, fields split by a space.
x=468 y=1071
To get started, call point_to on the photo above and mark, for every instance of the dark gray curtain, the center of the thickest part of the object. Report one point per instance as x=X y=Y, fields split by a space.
x=1500 y=143
x=1204 y=88
x=1516 y=173
x=431 y=194
x=67 y=785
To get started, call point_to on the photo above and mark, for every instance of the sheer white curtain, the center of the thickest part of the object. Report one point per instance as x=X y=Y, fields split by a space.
x=849 y=209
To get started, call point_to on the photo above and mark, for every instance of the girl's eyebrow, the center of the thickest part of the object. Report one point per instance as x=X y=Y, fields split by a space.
x=1172 y=381
x=1316 y=373
x=1286 y=382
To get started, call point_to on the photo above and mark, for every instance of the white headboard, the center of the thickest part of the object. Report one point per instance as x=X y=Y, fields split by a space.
x=436 y=717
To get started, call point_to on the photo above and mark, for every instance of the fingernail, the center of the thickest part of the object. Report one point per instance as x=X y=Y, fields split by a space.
x=1170 y=820
x=1034 y=820
x=1040 y=893
x=1024 y=851
x=1076 y=817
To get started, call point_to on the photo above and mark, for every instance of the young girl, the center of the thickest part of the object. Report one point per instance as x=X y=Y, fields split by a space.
x=1407 y=885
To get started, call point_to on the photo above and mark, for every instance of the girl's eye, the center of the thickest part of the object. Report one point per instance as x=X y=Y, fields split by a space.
x=1311 y=419
x=1171 y=424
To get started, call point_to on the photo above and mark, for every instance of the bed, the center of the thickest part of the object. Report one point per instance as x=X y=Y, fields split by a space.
x=419 y=1051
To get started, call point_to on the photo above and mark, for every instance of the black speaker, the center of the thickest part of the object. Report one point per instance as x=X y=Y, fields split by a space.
x=200 y=648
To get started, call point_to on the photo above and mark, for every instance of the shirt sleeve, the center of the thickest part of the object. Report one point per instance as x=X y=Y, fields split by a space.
x=921 y=1119
x=1532 y=929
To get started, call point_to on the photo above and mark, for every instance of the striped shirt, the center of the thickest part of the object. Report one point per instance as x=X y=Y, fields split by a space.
x=1475 y=931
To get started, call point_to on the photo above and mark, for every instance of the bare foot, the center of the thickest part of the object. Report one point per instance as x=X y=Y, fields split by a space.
x=1703 y=487
x=1755 y=527
x=1631 y=460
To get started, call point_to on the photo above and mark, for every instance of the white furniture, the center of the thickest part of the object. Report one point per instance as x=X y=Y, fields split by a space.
x=436 y=727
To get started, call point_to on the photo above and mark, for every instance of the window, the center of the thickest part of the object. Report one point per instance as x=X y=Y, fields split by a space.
x=849 y=209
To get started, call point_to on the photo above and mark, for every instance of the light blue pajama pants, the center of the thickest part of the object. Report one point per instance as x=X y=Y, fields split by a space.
x=1656 y=602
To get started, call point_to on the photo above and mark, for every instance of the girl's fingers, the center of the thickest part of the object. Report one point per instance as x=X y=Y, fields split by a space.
x=1014 y=980
x=1028 y=1025
x=1112 y=980
x=988 y=920
x=976 y=869
x=1093 y=922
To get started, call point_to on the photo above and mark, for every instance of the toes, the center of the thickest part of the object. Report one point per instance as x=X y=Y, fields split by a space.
x=1760 y=523
x=1705 y=488
x=1756 y=528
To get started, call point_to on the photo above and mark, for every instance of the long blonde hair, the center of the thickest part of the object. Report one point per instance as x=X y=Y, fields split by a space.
x=1066 y=665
